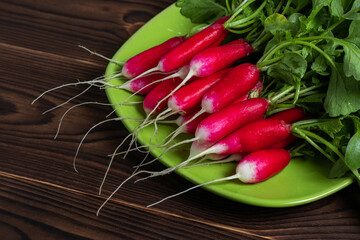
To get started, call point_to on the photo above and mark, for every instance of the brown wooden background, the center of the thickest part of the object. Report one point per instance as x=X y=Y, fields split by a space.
x=42 y=197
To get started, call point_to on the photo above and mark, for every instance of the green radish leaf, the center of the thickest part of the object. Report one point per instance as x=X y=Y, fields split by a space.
x=354 y=33
x=352 y=60
x=352 y=154
x=320 y=65
x=343 y=94
x=353 y=14
x=337 y=8
x=291 y=68
x=278 y=25
x=202 y=11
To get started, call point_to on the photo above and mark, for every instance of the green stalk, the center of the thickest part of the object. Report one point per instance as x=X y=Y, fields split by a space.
x=239 y=9
x=309 y=140
x=281 y=94
x=235 y=24
x=325 y=142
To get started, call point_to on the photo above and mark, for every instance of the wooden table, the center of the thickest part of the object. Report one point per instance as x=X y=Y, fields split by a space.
x=42 y=197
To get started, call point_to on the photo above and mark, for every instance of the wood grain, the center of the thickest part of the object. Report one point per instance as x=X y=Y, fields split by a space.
x=42 y=197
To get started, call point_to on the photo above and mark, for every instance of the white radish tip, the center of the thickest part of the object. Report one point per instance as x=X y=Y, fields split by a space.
x=202 y=133
x=173 y=104
x=246 y=171
x=125 y=72
x=207 y=105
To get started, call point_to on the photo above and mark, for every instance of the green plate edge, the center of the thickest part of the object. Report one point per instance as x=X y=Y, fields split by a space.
x=301 y=182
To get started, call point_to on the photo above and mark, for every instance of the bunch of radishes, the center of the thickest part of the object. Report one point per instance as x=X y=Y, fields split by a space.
x=250 y=109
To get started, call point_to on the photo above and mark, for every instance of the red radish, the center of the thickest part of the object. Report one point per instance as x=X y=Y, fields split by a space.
x=190 y=95
x=256 y=167
x=149 y=58
x=219 y=124
x=262 y=164
x=184 y=52
x=290 y=116
x=213 y=59
x=254 y=136
x=157 y=94
x=221 y=95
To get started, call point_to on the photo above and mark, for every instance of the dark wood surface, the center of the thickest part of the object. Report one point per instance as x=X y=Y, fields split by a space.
x=42 y=197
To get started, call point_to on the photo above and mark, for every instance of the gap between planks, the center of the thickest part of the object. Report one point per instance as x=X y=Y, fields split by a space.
x=50 y=55
x=137 y=206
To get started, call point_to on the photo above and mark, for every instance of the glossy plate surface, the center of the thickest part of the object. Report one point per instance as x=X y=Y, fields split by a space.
x=302 y=181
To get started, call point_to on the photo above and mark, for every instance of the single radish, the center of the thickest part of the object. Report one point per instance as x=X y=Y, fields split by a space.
x=256 y=167
x=220 y=124
x=149 y=58
x=213 y=59
x=152 y=99
x=290 y=115
x=221 y=95
x=190 y=95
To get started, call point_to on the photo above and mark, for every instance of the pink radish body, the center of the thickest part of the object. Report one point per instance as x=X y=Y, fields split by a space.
x=239 y=81
x=290 y=116
x=190 y=95
x=158 y=93
x=149 y=58
x=213 y=59
x=262 y=164
x=183 y=53
x=220 y=124
x=254 y=136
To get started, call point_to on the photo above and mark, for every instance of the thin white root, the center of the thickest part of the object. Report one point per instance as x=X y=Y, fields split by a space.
x=96 y=125
x=102 y=56
x=196 y=186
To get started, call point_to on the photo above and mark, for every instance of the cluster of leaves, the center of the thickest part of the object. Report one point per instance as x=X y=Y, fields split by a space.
x=311 y=50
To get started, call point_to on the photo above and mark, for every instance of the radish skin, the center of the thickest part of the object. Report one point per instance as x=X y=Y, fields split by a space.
x=221 y=95
x=261 y=165
x=219 y=124
x=215 y=58
x=149 y=58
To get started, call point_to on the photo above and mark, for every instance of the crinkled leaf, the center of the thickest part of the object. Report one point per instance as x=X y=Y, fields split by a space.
x=320 y=65
x=352 y=154
x=354 y=33
x=291 y=68
x=352 y=60
x=337 y=8
x=343 y=94
x=201 y=11
x=278 y=25
x=353 y=14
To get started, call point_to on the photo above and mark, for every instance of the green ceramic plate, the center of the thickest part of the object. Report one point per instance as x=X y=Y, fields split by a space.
x=301 y=182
